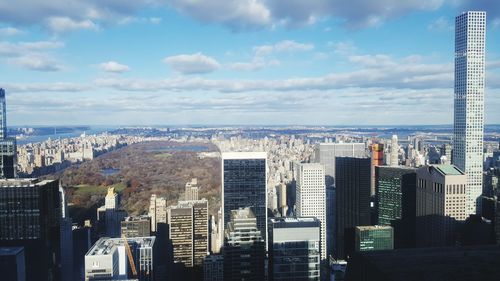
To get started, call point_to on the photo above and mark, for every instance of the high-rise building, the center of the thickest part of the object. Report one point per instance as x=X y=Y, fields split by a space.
x=8 y=151
x=188 y=222
x=352 y=199
x=374 y=238
x=157 y=211
x=191 y=191
x=12 y=263
x=109 y=216
x=468 y=126
x=244 y=177
x=294 y=249
x=213 y=268
x=395 y=193
x=377 y=150
x=325 y=153
x=394 y=160
x=244 y=247
x=136 y=227
x=311 y=196
x=108 y=259
x=441 y=202
x=30 y=212
x=66 y=247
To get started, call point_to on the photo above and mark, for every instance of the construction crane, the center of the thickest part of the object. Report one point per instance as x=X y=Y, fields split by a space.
x=130 y=257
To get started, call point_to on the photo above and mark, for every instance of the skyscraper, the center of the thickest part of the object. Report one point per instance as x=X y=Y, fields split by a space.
x=374 y=238
x=468 y=127
x=191 y=191
x=394 y=160
x=30 y=212
x=157 y=211
x=8 y=152
x=244 y=249
x=352 y=199
x=311 y=196
x=377 y=150
x=294 y=249
x=244 y=177
x=441 y=202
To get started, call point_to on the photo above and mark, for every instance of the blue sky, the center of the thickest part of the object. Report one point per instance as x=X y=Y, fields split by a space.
x=158 y=62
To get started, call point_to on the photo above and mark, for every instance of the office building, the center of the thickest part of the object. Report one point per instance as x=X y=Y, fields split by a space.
x=325 y=153
x=188 y=223
x=136 y=227
x=395 y=204
x=109 y=259
x=311 y=196
x=294 y=249
x=377 y=150
x=244 y=247
x=244 y=177
x=441 y=202
x=12 y=264
x=66 y=236
x=374 y=238
x=109 y=216
x=30 y=217
x=157 y=211
x=443 y=264
x=468 y=126
x=352 y=199
x=8 y=150
x=394 y=155
x=81 y=245
x=191 y=191
x=213 y=268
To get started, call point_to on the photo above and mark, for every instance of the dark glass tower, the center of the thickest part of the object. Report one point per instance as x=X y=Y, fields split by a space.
x=30 y=212
x=244 y=185
x=352 y=200
x=395 y=193
x=7 y=145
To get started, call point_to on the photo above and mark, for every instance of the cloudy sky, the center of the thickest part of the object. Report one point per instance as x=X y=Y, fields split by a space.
x=169 y=62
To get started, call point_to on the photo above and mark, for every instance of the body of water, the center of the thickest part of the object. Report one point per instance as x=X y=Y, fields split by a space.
x=109 y=171
x=75 y=133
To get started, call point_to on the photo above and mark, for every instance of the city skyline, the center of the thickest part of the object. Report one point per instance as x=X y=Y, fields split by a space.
x=315 y=64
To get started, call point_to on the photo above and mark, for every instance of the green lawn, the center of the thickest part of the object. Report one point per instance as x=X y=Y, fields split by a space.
x=163 y=155
x=97 y=189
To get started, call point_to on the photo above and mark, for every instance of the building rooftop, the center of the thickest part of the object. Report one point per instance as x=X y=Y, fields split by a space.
x=448 y=170
x=23 y=182
x=243 y=155
x=284 y=222
x=105 y=245
x=373 y=227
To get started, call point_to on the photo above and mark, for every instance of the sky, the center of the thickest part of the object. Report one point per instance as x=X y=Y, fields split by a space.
x=236 y=62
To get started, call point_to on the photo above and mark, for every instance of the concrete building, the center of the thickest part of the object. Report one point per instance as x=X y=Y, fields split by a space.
x=441 y=202
x=311 y=196
x=191 y=191
x=136 y=227
x=244 y=248
x=157 y=211
x=352 y=199
x=30 y=217
x=12 y=264
x=374 y=238
x=394 y=160
x=109 y=216
x=188 y=223
x=213 y=268
x=377 y=150
x=244 y=177
x=468 y=126
x=294 y=249
x=325 y=153
x=108 y=259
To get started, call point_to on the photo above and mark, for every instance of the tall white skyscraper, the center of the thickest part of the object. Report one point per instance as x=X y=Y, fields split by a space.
x=311 y=196
x=393 y=161
x=470 y=31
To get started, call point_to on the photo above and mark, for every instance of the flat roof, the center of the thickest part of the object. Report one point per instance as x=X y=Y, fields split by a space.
x=23 y=182
x=448 y=170
x=10 y=251
x=244 y=155
x=105 y=245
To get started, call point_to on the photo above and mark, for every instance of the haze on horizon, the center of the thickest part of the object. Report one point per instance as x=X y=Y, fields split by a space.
x=240 y=62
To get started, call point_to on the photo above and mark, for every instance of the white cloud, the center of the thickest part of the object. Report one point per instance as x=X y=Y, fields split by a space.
x=155 y=20
x=10 y=31
x=256 y=64
x=65 y=24
x=192 y=64
x=114 y=67
x=35 y=55
x=282 y=46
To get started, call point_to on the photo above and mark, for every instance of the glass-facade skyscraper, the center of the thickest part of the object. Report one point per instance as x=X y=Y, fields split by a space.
x=470 y=32
x=374 y=238
x=7 y=145
x=244 y=178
